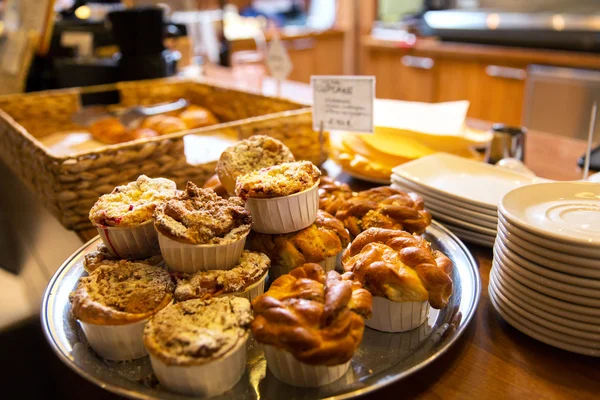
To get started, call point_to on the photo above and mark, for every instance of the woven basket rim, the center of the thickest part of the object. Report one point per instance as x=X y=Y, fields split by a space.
x=302 y=108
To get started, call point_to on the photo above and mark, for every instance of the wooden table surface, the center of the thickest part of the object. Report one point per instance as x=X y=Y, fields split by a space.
x=493 y=360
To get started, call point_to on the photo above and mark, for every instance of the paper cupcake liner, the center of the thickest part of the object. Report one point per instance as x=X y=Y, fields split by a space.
x=116 y=342
x=329 y=263
x=137 y=242
x=285 y=367
x=392 y=316
x=205 y=380
x=190 y=258
x=252 y=291
x=284 y=214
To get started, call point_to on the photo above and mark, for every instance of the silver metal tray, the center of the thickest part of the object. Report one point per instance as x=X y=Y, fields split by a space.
x=382 y=359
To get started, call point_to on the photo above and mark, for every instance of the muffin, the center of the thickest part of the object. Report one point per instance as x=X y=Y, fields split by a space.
x=319 y=243
x=283 y=198
x=248 y=155
x=102 y=256
x=123 y=217
x=198 y=230
x=333 y=194
x=197 y=117
x=384 y=207
x=114 y=302
x=310 y=324
x=246 y=279
x=404 y=275
x=164 y=124
x=198 y=347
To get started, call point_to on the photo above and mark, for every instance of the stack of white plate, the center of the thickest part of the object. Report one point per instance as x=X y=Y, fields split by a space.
x=462 y=194
x=545 y=279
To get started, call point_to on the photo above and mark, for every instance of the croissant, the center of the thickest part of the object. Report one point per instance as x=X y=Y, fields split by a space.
x=400 y=267
x=318 y=318
x=384 y=207
x=326 y=237
x=332 y=194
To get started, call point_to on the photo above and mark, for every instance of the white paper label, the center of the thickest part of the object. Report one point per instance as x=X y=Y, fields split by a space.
x=278 y=61
x=343 y=102
x=83 y=41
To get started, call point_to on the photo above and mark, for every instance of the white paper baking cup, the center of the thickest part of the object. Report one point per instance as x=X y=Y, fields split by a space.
x=116 y=342
x=392 y=316
x=330 y=263
x=205 y=380
x=252 y=291
x=137 y=242
x=288 y=369
x=190 y=258
x=284 y=214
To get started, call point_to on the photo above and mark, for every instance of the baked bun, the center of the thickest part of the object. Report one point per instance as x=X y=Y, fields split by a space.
x=164 y=124
x=318 y=318
x=248 y=155
x=142 y=133
x=110 y=131
x=215 y=184
x=400 y=267
x=384 y=207
x=326 y=237
x=197 y=117
x=332 y=194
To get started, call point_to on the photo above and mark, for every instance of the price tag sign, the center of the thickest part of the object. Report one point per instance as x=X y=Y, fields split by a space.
x=343 y=102
x=278 y=61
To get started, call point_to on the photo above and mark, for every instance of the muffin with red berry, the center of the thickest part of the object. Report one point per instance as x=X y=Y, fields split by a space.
x=124 y=217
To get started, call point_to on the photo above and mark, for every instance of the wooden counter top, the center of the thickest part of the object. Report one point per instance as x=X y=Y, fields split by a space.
x=433 y=47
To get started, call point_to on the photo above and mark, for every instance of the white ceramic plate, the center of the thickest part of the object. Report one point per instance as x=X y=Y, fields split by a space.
x=568 y=259
x=557 y=294
x=573 y=336
x=542 y=334
x=497 y=287
x=443 y=210
x=548 y=243
x=472 y=237
x=479 y=183
x=549 y=273
x=547 y=263
x=440 y=197
x=543 y=302
x=501 y=258
x=565 y=211
x=467 y=225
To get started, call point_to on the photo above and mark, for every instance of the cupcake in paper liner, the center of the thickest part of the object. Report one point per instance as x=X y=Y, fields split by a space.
x=310 y=324
x=283 y=198
x=320 y=243
x=404 y=275
x=103 y=256
x=246 y=279
x=124 y=216
x=199 y=230
x=198 y=347
x=115 y=301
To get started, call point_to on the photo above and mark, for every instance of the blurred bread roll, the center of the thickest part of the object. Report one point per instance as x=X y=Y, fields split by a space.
x=164 y=124
x=109 y=131
x=197 y=117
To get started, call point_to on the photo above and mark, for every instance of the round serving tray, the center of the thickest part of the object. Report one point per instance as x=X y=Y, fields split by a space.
x=382 y=359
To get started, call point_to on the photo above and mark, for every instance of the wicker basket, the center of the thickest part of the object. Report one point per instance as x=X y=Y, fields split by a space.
x=70 y=185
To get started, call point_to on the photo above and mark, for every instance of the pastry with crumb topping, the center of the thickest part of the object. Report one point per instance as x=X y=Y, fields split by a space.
x=103 y=256
x=131 y=204
x=250 y=269
x=122 y=293
x=278 y=181
x=200 y=216
x=256 y=152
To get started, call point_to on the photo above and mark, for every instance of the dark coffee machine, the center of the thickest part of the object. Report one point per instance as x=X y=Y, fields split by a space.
x=140 y=32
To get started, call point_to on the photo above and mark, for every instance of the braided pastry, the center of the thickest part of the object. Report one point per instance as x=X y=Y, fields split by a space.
x=326 y=237
x=318 y=318
x=384 y=207
x=400 y=267
x=332 y=194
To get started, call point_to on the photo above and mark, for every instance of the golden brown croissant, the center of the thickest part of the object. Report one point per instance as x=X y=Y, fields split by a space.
x=399 y=266
x=316 y=317
x=332 y=194
x=384 y=207
x=326 y=237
